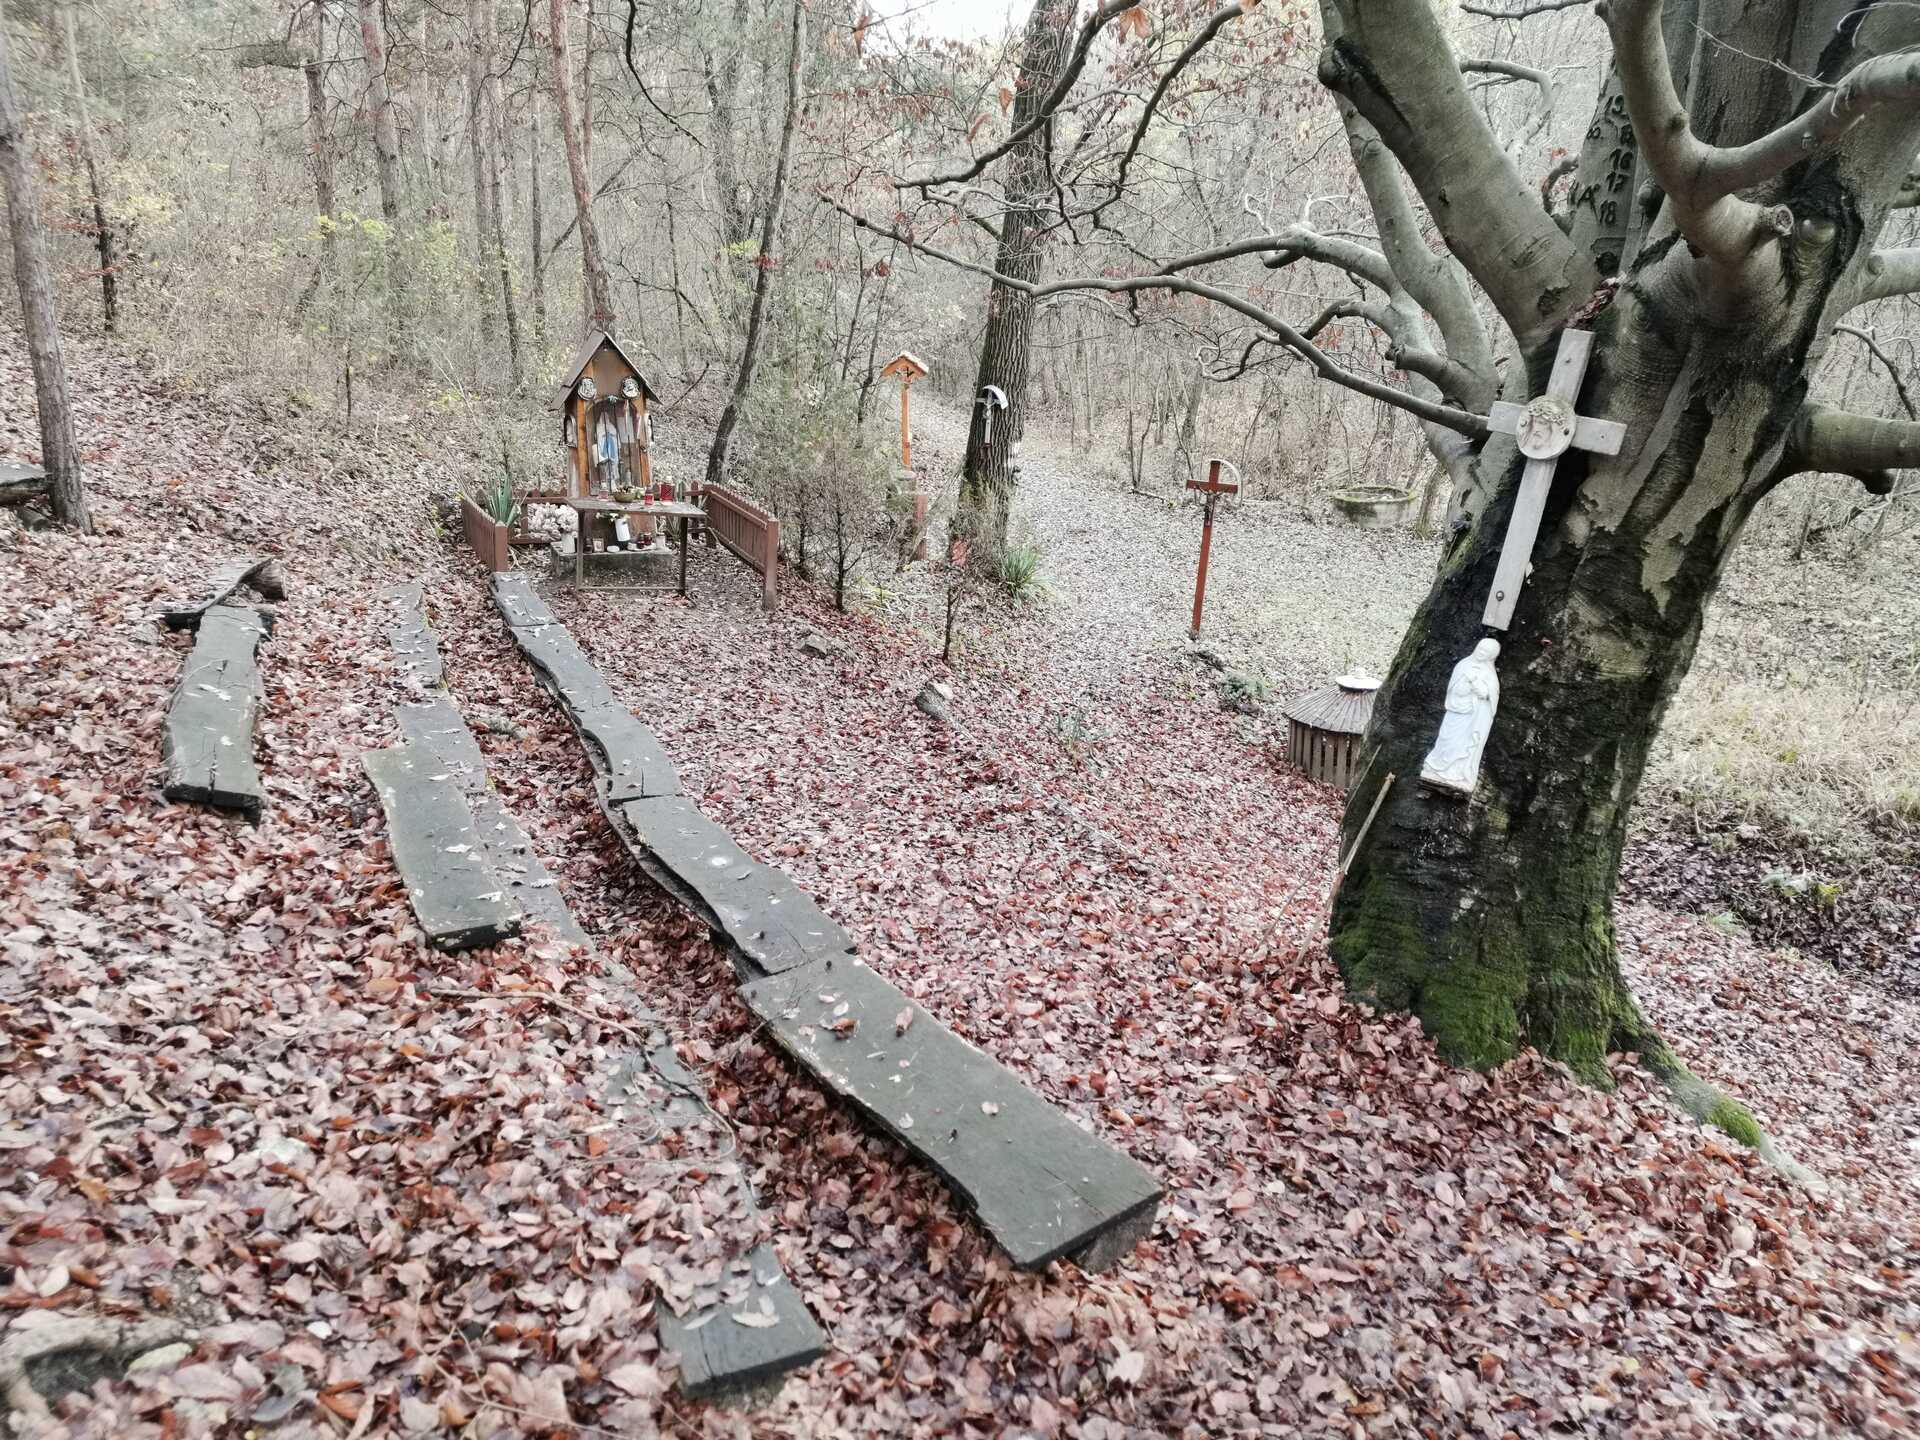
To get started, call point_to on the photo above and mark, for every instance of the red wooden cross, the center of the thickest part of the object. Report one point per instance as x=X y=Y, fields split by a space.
x=1213 y=487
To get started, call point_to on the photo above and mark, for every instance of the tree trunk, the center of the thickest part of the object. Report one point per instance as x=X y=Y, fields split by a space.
x=386 y=154
x=592 y=260
x=83 y=130
x=986 y=479
x=59 y=451
x=479 y=22
x=495 y=242
x=323 y=162
x=1493 y=918
x=536 y=264
x=1190 y=418
x=763 y=277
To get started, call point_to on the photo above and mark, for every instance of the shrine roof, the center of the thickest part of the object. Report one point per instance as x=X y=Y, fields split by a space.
x=588 y=349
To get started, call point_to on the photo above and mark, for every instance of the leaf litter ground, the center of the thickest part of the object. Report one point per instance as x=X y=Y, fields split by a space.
x=382 y=1185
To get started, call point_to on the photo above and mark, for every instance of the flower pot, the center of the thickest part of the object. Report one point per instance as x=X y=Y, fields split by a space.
x=1373 y=507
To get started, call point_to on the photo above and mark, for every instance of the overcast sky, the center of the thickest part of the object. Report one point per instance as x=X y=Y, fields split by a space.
x=952 y=19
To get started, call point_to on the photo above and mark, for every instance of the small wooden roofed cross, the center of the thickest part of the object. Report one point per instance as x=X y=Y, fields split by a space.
x=604 y=383
x=906 y=367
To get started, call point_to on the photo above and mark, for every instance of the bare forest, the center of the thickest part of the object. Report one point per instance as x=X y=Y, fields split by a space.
x=1076 y=718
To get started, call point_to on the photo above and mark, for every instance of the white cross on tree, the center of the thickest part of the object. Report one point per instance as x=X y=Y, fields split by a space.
x=1547 y=427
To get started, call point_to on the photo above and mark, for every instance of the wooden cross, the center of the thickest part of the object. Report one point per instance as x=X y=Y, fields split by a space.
x=1213 y=487
x=1547 y=427
x=909 y=368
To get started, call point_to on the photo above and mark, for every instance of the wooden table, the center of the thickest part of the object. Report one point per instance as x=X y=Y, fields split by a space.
x=586 y=505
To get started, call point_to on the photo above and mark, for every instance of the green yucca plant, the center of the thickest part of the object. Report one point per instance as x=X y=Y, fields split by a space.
x=497 y=500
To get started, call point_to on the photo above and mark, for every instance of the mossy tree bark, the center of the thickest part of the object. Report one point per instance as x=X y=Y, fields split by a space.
x=1492 y=919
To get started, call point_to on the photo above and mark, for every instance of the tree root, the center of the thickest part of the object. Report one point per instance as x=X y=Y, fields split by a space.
x=1711 y=1105
x=114 y=1339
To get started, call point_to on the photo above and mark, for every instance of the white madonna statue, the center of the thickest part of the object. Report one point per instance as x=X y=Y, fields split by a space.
x=1473 y=694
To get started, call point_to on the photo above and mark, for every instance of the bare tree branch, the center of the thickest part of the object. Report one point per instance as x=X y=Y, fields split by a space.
x=1867 y=338
x=1199 y=42
x=1838 y=442
x=1509 y=70
x=1521 y=12
x=1464 y=421
x=1392 y=60
x=1888 y=273
x=1300 y=242
x=1436 y=282
x=1451 y=380
x=1103 y=16
x=1505 y=70
x=1700 y=179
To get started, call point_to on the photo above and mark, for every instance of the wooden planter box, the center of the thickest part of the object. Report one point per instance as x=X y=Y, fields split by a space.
x=488 y=537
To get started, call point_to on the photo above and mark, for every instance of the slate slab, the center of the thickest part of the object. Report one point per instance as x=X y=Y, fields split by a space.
x=456 y=897
x=207 y=739
x=722 y=1358
x=224 y=581
x=773 y=923
x=412 y=641
x=631 y=759
x=518 y=603
x=1041 y=1185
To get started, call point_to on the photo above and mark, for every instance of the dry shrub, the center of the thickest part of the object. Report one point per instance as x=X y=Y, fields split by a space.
x=1825 y=760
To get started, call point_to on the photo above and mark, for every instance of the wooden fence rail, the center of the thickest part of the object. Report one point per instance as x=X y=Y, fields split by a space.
x=488 y=537
x=748 y=531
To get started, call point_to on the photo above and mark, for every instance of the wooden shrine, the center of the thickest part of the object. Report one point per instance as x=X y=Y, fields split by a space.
x=906 y=367
x=604 y=424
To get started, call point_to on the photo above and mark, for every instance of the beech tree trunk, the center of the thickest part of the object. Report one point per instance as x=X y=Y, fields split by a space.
x=496 y=239
x=763 y=278
x=1492 y=918
x=537 y=259
x=479 y=22
x=322 y=148
x=592 y=260
x=386 y=156
x=1006 y=348
x=59 y=451
x=96 y=192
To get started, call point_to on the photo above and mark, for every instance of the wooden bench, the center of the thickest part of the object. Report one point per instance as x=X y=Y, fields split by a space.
x=1041 y=1185
x=207 y=740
